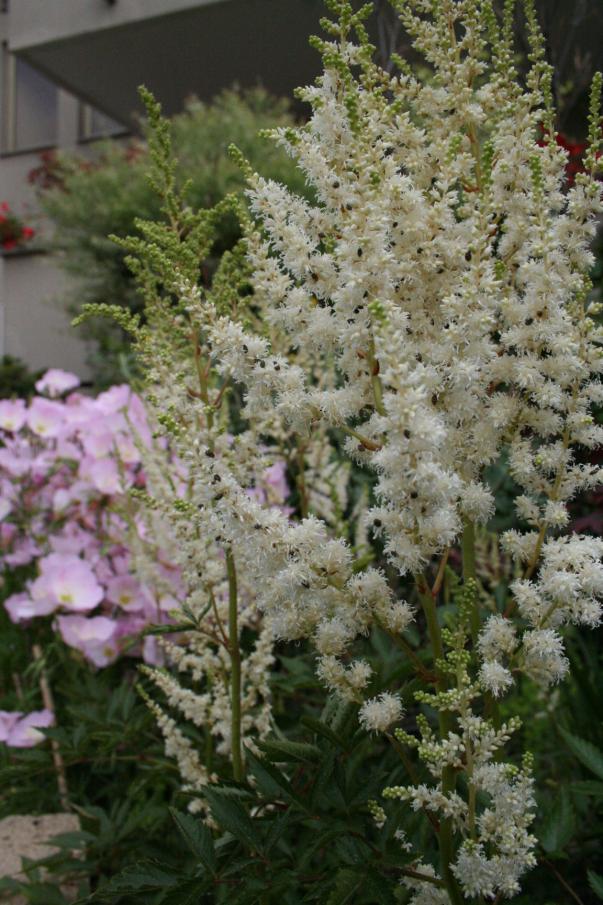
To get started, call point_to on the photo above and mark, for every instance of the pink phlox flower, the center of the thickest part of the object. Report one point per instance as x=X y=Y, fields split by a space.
x=152 y=652
x=125 y=591
x=22 y=732
x=8 y=532
x=21 y=607
x=24 y=551
x=5 y=506
x=8 y=720
x=45 y=417
x=73 y=539
x=13 y=414
x=94 y=636
x=68 y=581
x=140 y=525
x=76 y=493
x=127 y=450
x=121 y=399
x=80 y=413
x=98 y=438
x=67 y=449
x=115 y=399
x=15 y=460
x=129 y=632
x=121 y=561
x=167 y=603
x=55 y=382
x=102 y=567
x=103 y=474
x=257 y=494
x=275 y=477
x=42 y=464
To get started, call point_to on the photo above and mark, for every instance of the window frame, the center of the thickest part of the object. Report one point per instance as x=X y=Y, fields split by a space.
x=85 y=134
x=8 y=126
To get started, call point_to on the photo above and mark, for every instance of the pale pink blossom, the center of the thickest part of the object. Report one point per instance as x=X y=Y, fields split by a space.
x=97 y=440
x=152 y=652
x=23 y=552
x=276 y=478
x=21 y=607
x=94 y=636
x=55 y=382
x=12 y=414
x=103 y=474
x=45 y=417
x=125 y=591
x=15 y=462
x=21 y=731
x=68 y=581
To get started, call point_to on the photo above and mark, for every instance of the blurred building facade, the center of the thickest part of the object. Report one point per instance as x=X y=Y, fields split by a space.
x=69 y=75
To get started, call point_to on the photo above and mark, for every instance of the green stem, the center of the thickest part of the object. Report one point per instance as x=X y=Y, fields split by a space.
x=301 y=484
x=446 y=834
x=470 y=572
x=433 y=626
x=235 y=669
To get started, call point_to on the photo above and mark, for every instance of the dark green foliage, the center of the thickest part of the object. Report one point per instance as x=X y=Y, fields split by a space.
x=119 y=781
x=300 y=832
x=16 y=379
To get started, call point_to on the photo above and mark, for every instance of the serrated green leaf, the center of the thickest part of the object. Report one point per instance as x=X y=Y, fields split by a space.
x=277 y=829
x=596 y=883
x=272 y=782
x=559 y=824
x=198 y=837
x=380 y=888
x=352 y=851
x=75 y=839
x=146 y=877
x=186 y=893
x=283 y=750
x=347 y=884
x=238 y=866
x=587 y=753
x=321 y=728
x=230 y=815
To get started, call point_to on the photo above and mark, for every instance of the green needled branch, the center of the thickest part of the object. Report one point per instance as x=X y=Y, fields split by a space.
x=235 y=669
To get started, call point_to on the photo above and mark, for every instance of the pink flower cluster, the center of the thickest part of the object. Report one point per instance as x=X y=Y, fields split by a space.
x=66 y=462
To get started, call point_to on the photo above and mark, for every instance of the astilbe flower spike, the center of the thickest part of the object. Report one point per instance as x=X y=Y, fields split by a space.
x=432 y=304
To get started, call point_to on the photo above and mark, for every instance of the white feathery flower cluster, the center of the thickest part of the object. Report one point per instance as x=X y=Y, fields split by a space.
x=502 y=828
x=449 y=291
x=431 y=304
x=425 y=893
x=379 y=714
x=181 y=748
x=567 y=589
x=208 y=704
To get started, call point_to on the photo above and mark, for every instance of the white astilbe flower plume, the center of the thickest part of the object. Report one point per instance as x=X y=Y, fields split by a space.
x=381 y=713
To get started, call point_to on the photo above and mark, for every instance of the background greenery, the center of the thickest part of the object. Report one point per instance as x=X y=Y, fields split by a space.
x=90 y=198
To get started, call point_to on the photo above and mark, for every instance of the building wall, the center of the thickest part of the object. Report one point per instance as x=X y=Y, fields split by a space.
x=37 y=328
x=34 y=325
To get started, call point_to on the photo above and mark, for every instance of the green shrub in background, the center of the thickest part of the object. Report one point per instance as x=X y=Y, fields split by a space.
x=89 y=200
x=15 y=378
